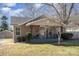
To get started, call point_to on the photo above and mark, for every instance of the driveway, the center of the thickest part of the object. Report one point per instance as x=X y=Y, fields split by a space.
x=6 y=41
x=1 y=40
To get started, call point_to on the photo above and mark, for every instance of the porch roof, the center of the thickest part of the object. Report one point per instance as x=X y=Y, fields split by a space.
x=45 y=22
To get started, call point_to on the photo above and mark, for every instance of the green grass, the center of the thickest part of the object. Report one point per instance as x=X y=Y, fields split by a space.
x=24 y=49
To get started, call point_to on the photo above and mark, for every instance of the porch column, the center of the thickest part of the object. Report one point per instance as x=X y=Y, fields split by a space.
x=14 y=34
x=45 y=34
x=31 y=28
x=46 y=31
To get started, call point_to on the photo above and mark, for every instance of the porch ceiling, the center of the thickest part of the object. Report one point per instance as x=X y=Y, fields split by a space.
x=45 y=21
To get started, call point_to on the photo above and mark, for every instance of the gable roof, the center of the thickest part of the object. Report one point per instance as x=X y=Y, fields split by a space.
x=35 y=19
x=45 y=22
x=22 y=20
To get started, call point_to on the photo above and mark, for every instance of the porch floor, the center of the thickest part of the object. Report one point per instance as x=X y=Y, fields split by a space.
x=43 y=40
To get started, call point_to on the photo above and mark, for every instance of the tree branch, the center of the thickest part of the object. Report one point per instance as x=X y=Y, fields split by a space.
x=55 y=9
x=72 y=6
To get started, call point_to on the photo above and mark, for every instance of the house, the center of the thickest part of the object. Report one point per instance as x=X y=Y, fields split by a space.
x=73 y=26
x=43 y=26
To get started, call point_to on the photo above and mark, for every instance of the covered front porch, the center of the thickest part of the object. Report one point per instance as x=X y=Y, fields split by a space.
x=43 y=30
x=41 y=33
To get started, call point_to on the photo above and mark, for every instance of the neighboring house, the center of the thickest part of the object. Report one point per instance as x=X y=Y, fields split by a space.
x=73 y=26
x=6 y=34
x=43 y=26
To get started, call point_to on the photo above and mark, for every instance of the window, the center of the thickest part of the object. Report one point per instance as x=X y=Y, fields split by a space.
x=17 y=30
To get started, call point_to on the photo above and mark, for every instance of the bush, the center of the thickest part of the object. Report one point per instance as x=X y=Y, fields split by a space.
x=66 y=35
x=21 y=38
x=29 y=36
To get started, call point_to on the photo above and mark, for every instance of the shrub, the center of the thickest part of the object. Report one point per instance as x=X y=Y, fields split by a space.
x=29 y=36
x=66 y=35
x=21 y=38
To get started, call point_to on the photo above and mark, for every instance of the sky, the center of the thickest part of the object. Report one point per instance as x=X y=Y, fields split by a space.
x=24 y=10
x=16 y=9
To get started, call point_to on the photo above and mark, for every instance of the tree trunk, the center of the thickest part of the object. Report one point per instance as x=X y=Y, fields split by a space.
x=59 y=36
x=59 y=40
x=63 y=29
x=60 y=31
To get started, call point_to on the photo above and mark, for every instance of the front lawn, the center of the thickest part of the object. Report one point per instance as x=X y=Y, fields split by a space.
x=67 y=48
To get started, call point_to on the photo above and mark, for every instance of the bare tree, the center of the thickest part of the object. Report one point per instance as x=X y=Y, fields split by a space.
x=32 y=10
x=63 y=11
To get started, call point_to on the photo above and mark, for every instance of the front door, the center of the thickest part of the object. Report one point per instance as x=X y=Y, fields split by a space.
x=48 y=33
x=42 y=32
